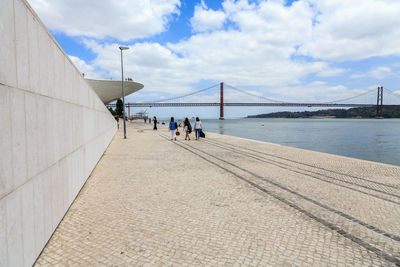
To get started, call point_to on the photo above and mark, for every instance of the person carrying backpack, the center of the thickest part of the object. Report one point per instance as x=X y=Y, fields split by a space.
x=187 y=127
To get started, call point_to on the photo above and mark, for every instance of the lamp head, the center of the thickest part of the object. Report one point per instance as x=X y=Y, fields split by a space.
x=123 y=47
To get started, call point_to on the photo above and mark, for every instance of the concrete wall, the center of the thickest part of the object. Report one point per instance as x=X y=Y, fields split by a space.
x=53 y=131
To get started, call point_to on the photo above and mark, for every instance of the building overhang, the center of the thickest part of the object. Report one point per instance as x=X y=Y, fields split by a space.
x=109 y=90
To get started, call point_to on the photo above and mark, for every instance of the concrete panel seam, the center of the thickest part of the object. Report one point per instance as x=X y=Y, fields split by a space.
x=83 y=185
x=59 y=99
x=35 y=15
x=15 y=46
x=5 y=218
x=52 y=38
x=52 y=165
x=11 y=141
x=26 y=143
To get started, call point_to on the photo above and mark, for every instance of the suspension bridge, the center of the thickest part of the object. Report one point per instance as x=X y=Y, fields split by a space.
x=265 y=101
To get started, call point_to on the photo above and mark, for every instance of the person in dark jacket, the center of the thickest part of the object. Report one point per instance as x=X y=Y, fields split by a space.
x=187 y=128
x=155 y=123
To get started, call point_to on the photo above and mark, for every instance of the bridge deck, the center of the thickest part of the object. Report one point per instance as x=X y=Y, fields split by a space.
x=177 y=104
x=227 y=201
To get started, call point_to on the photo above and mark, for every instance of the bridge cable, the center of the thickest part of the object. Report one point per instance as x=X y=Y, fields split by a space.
x=254 y=95
x=391 y=92
x=279 y=101
x=177 y=97
x=348 y=98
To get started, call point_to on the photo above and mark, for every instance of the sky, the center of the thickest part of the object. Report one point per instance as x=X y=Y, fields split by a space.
x=302 y=51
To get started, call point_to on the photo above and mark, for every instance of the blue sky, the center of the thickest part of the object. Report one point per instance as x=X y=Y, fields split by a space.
x=305 y=50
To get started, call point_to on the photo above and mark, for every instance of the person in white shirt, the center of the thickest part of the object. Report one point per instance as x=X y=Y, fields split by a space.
x=197 y=127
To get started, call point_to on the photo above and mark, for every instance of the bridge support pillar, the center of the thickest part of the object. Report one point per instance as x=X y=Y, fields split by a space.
x=379 y=102
x=221 y=102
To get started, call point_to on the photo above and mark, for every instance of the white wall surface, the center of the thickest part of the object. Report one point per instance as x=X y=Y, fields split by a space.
x=53 y=131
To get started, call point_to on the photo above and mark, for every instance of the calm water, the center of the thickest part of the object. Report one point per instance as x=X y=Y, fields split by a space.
x=369 y=139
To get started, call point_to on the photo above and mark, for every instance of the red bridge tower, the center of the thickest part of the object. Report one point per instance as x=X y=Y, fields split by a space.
x=379 y=103
x=221 y=102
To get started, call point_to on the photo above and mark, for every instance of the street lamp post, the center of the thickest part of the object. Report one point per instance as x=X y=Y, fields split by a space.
x=123 y=92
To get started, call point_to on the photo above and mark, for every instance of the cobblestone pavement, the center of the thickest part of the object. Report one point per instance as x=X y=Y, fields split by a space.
x=228 y=201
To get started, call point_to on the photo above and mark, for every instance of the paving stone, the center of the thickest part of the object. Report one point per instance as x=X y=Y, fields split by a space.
x=228 y=201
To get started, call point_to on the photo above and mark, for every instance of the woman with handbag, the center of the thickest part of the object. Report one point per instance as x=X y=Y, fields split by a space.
x=172 y=128
x=197 y=127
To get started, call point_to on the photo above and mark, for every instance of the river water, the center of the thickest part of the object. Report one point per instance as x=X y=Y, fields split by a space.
x=370 y=139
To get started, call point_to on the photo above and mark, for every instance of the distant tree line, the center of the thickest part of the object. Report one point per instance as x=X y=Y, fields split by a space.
x=367 y=112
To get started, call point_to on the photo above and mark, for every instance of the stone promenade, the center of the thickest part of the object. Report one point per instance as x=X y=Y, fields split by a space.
x=226 y=201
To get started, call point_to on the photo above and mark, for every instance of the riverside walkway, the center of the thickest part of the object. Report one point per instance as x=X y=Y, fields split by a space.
x=226 y=201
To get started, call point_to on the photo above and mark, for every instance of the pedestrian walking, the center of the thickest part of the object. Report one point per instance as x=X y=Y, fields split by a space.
x=117 y=119
x=155 y=123
x=187 y=128
x=197 y=127
x=172 y=128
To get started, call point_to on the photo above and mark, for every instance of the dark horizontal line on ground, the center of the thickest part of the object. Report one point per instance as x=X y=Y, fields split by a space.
x=326 y=223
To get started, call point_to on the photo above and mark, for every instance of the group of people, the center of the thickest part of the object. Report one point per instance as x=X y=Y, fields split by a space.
x=187 y=128
x=174 y=127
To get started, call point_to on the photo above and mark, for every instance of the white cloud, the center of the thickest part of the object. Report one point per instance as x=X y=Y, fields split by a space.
x=353 y=30
x=88 y=70
x=257 y=48
x=319 y=91
x=247 y=56
x=329 y=72
x=122 y=19
x=377 y=73
x=205 y=19
x=357 y=75
x=148 y=63
x=380 y=72
x=272 y=22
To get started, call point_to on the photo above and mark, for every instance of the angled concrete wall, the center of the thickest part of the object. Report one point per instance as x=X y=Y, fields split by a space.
x=53 y=131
